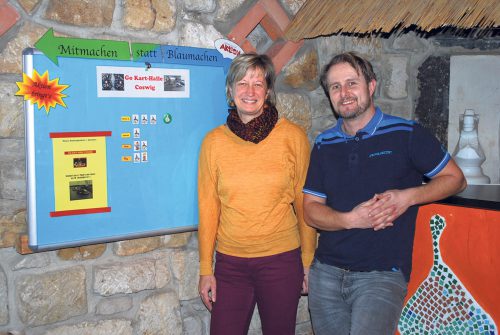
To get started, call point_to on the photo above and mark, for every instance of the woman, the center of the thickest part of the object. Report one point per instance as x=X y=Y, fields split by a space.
x=250 y=177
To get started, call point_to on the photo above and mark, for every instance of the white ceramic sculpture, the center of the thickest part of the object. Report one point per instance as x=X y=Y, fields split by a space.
x=468 y=153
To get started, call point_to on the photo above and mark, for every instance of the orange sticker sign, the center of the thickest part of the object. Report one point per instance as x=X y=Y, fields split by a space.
x=42 y=91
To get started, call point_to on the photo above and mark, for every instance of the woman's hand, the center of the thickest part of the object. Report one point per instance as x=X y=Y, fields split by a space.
x=305 y=283
x=207 y=287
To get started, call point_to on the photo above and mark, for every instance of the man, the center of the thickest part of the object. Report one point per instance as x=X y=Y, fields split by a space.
x=362 y=193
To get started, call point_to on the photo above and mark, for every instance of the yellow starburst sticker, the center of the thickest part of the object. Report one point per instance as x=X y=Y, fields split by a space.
x=42 y=91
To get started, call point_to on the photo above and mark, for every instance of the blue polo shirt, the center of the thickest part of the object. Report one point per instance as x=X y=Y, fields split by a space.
x=389 y=153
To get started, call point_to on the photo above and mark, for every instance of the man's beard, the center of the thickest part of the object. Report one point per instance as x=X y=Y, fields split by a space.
x=357 y=112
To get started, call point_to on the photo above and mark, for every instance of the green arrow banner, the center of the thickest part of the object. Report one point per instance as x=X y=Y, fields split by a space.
x=146 y=51
x=54 y=47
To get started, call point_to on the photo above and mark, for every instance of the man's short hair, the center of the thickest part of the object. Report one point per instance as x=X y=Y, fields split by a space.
x=360 y=64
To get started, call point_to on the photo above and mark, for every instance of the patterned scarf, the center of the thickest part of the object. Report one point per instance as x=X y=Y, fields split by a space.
x=257 y=129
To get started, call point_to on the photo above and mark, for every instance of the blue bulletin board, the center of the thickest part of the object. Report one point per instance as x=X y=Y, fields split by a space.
x=115 y=157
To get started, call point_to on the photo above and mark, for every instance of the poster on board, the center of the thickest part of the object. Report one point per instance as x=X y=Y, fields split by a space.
x=112 y=144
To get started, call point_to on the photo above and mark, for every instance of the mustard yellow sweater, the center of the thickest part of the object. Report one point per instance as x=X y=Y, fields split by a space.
x=250 y=195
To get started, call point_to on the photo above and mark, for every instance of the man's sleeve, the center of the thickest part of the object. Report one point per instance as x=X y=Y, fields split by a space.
x=314 y=179
x=426 y=152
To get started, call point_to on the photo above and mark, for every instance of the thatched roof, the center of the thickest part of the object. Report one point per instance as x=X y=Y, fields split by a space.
x=326 y=17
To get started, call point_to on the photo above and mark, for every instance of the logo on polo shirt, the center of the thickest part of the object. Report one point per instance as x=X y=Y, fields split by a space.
x=380 y=153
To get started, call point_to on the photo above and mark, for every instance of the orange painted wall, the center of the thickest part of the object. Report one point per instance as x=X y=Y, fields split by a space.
x=470 y=246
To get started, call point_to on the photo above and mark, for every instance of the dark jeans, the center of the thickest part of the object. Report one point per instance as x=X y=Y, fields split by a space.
x=272 y=282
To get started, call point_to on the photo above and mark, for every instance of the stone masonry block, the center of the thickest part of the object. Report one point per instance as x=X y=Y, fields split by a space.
x=274 y=20
x=8 y=16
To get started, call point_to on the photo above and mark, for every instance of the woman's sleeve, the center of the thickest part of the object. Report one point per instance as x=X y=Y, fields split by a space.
x=208 y=206
x=308 y=236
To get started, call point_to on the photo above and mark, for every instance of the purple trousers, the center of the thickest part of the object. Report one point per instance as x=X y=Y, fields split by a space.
x=272 y=282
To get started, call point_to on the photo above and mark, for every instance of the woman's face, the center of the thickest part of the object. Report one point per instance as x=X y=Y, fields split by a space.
x=249 y=94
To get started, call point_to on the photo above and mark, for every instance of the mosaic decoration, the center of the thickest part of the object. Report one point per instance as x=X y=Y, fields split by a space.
x=442 y=305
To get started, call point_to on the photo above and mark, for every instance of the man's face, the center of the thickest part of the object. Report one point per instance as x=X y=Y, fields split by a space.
x=350 y=94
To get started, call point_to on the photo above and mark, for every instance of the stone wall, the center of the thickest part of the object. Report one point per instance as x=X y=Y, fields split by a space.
x=149 y=285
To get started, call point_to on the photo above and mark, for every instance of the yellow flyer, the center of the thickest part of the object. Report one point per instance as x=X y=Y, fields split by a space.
x=80 y=179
